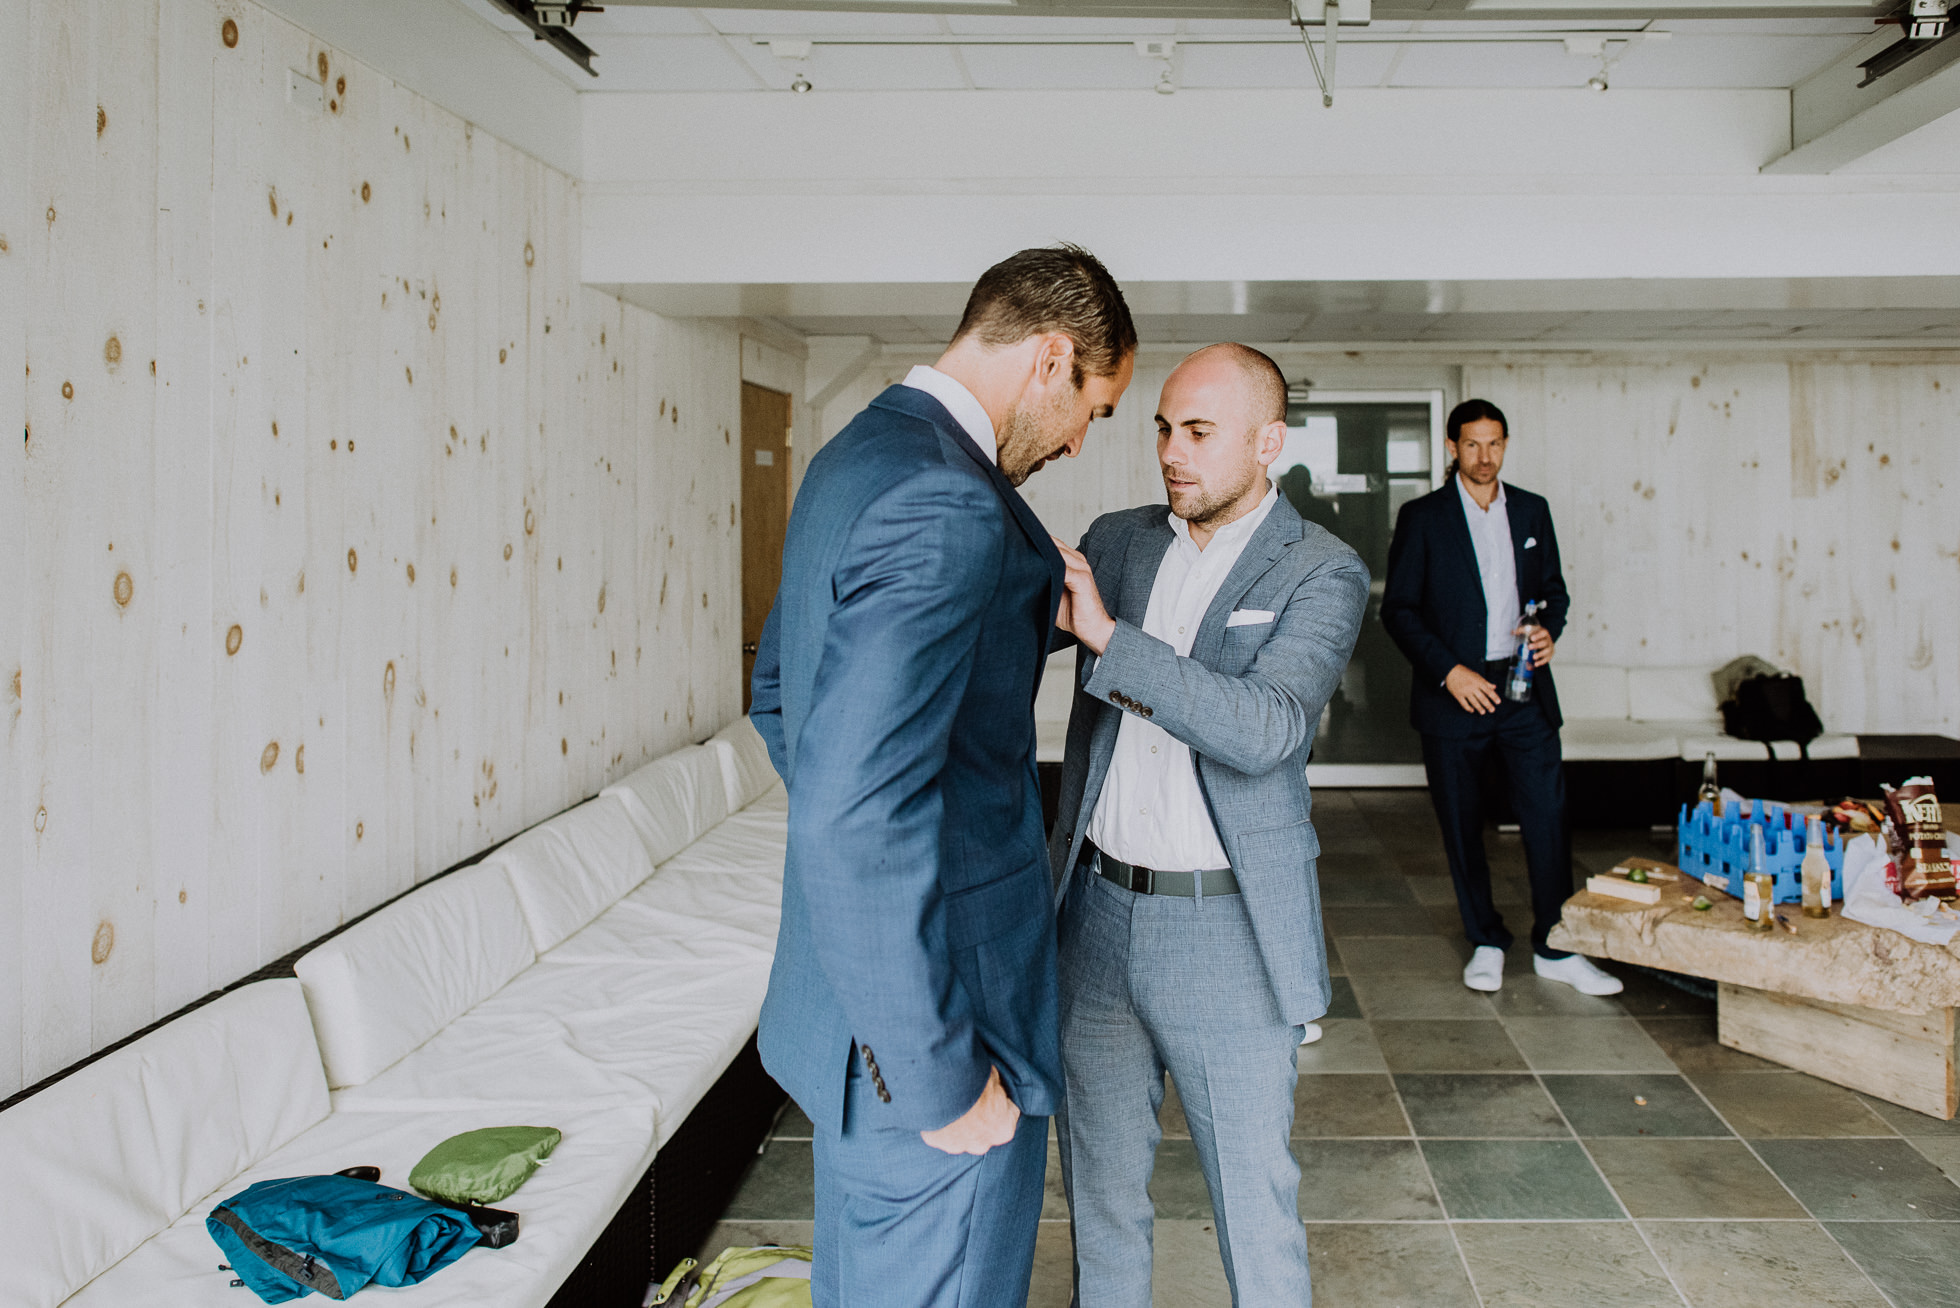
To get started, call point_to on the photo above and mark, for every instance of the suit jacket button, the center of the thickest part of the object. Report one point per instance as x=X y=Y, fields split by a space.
x=1146 y=711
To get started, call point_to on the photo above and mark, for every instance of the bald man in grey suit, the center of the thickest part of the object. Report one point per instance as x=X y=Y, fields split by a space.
x=1190 y=923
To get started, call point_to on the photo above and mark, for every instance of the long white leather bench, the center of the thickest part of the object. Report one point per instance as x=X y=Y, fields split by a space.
x=1616 y=714
x=596 y=974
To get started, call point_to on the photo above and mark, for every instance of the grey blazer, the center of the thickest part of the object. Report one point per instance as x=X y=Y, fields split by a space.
x=1247 y=701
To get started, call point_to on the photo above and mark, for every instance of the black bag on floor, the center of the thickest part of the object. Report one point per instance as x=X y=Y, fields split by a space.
x=1772 y=708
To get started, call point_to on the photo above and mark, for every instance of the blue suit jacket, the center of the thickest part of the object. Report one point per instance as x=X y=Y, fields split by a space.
x=1433 y=601
x=895 y=685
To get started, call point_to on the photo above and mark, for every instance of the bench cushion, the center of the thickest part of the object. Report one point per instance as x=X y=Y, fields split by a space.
x=571 y=869
x=393 y=980
x=745 y=763
x=102 y=1160
x=1591 y=690
x=560 y=1209
x=1679 y=694
x=1606 y=740
x=674 y=801
x=1727 y=749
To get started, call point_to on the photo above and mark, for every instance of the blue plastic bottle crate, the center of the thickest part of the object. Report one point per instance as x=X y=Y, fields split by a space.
x=1715 y=850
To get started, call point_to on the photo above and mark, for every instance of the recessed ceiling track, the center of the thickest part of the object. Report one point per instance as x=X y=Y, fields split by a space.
x=552 y=24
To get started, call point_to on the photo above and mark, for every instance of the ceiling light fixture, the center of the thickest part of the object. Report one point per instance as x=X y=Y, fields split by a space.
x=1165 y=49
x=801 y=84
x=793 y=53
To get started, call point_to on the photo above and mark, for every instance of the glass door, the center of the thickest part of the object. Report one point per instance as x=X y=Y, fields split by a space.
x=1352 y=460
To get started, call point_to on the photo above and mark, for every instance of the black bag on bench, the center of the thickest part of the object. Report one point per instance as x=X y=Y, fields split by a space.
x=1770 y=708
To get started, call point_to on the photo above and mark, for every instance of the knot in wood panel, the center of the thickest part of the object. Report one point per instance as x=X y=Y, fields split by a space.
x=229 y=34
x=360 y=830
x=506 y=551
x=299 y=760
x=269 y=756
x=353 y=561
x=322 y=62
x=125 y=590
x=103 y=945
x=101 y=120
x=40 y=819
x=234 y=639
x=388 y=682
x=68 y=390
x=530 y=522
x=366 y=194
x=602 y=599
x=530 y=255
x=112 y=352
x=411 y=574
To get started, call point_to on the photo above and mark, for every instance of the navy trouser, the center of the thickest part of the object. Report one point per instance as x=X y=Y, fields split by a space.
x=1526 y=742
x=901 y=1225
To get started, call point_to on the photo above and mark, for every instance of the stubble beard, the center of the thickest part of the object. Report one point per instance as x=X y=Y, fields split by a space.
x=1210 y=505
x=1028 y=440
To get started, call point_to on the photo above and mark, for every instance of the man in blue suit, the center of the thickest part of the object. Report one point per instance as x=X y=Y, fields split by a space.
x=1463 y=563
x=912 y=1007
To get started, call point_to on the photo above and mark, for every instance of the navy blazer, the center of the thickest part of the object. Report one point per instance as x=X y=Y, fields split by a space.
x=1433 y=601
x=895 y=685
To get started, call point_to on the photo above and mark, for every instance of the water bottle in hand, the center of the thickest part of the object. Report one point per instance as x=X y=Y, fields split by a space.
x=1517 y=686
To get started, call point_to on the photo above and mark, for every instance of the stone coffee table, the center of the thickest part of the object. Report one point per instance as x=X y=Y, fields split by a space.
x=1858 y=1005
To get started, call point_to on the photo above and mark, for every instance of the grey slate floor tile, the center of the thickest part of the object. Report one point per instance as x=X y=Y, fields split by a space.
x=1487 y=1105
x=1386 y=1265
x=1518 y=1180
x=1691 y=1178
x=1447 y=1046
x=1791 y=1104
x=1563 y=1265
x=1753 y=1264
x=1633 y=1104
x=1864 y=1181
x=1364 y=1180
x=1913 y=1262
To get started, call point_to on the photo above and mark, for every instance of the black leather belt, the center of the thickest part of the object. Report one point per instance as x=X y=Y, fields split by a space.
x=1155 y=881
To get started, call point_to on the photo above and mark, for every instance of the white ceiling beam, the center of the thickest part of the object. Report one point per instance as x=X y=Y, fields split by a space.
x=1834 y=120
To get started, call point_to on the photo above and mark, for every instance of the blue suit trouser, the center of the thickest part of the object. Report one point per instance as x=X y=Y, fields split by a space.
x=1156 y=983
x=1527 y=744
x=901 y=1225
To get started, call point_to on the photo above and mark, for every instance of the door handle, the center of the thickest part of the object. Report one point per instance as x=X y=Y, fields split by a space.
x=749 y=647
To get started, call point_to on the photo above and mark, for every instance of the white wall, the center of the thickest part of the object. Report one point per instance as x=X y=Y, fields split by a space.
x=1805 y=508
x=1228 y=185
x=372 y=353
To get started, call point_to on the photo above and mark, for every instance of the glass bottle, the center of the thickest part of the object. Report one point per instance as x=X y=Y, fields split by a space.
x=1758 y=886
x=1517 y=686
x=1711 y=789
x=1816 y=870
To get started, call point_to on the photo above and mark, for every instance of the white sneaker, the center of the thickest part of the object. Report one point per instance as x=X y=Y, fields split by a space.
x=1578 y=972
x=1485 y=970
x=1310 y=1033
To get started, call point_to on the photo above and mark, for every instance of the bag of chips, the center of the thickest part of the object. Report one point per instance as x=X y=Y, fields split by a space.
x=1924 y=869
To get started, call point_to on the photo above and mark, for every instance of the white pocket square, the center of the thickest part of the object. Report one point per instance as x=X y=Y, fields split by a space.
x=1249 y=617
x=1530 y=541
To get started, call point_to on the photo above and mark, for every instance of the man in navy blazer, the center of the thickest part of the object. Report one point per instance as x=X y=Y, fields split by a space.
x=911 y=1010
x=1463 y=563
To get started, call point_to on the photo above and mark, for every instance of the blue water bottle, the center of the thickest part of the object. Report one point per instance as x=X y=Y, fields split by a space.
x=1517 y=687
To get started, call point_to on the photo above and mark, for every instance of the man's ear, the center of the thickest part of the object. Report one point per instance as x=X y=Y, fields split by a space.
x=1269 y=442
x=1054 y=358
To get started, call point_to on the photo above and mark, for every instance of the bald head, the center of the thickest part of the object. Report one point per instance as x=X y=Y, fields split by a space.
x=1261 y=385
x=1220 y=424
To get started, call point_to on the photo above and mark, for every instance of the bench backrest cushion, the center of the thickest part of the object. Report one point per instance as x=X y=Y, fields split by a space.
x=674 y=801
x=745 y=763
x=390 y=981
x=102 y=1160
x=1681 y=694
x=571 y=869
x=1591 y=690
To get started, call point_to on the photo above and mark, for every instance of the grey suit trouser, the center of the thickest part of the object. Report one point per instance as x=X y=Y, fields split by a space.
x=1151 y=983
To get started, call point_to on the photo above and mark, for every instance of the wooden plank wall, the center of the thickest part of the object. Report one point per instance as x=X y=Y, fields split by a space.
x=1804 y=508
x=1709 y=503
x=349 y=533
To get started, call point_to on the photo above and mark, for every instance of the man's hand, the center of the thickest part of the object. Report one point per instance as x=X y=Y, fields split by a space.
x=1541 y=645
x=1082 y=613
x=991 y=1121
x=1475 y=694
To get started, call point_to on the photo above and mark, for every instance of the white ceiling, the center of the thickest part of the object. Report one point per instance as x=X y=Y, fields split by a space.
x=650 y=48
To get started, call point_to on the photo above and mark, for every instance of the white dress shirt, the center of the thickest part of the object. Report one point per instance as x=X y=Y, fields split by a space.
x=1497 y=566
x=959 y=402
x=1151 y=811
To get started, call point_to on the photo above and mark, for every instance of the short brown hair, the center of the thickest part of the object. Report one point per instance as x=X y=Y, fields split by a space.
x=1062 y=289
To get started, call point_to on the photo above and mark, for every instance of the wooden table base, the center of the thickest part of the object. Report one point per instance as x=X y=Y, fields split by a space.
x=1903 y=1058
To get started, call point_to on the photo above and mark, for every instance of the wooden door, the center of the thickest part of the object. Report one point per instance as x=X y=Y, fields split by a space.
x=765 y=512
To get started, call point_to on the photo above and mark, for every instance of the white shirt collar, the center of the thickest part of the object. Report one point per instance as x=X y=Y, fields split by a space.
x=959 y=401
x=1233 y=535
x=1469 y=502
